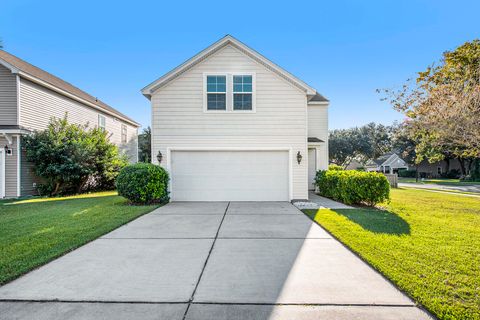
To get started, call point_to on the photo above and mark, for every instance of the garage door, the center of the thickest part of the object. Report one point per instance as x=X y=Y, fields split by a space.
x=229 y=176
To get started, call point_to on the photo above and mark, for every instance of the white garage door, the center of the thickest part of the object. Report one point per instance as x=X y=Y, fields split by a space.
x=229 y=176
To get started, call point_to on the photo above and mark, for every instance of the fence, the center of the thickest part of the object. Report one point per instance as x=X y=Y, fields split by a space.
x=392 y=179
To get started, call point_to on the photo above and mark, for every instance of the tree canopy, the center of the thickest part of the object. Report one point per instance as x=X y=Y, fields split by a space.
x=360 y=143
x=145 y=145
x=443 y=106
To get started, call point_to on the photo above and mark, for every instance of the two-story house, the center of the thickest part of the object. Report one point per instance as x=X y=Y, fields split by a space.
x=29 y=98
x=229 y=124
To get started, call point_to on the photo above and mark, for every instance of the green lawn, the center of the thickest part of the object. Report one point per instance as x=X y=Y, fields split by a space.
x=445 y=182
x=37 y=230
x=427 y=243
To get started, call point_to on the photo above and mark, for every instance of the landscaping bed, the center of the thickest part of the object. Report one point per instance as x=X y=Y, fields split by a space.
x=427 y=243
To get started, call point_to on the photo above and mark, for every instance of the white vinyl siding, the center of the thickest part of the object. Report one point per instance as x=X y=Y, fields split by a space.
x=318 y=128
x=179 y=120
x=8 y=97
x=39 y=104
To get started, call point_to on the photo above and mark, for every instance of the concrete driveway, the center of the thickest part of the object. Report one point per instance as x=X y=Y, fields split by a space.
x=209 y=260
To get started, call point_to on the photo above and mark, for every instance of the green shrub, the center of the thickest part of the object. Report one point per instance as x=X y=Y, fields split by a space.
x=72 y=158
x=404 y=173
x=335 y=167
x=353 y=187
x=143 y=183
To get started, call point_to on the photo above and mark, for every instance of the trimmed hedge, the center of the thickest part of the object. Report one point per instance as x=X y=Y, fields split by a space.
x=143 y=183
x=335 y=167
x=353 y=187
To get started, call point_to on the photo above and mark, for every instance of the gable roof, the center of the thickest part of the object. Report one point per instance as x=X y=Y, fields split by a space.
x=227 y=40
x=383 y=159
x=31 y=72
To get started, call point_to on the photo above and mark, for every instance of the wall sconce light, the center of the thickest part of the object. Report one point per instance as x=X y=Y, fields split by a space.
x=8 y=151
x=159 y=157
x=299 y=157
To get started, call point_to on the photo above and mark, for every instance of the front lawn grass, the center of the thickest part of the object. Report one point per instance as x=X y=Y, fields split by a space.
x=427 y=243
x=35 y=231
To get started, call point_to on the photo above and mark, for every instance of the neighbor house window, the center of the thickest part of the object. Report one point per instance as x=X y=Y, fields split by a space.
x=124 y=133
x=242 y=92
x=101 y=122
x=216 y=92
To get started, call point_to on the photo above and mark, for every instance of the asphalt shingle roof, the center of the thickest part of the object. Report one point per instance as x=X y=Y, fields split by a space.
x=43 y=75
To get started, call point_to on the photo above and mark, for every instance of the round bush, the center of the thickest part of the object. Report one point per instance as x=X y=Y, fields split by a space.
x=143 y=183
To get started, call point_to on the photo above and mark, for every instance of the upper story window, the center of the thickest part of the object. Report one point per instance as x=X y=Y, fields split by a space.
x=242 y=92
x=101 y=122
x=124 y=133
x=216 y=93
x=229 y=92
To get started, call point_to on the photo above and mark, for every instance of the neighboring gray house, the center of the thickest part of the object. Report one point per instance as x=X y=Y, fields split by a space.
x=29 y=98
x=437 y=169
x=387 y=163
x=232 y=125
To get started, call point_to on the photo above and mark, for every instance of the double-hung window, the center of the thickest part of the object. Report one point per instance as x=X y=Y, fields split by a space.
x=229 y=92
x=242 y=92
x=217 y=92
x=101 y=122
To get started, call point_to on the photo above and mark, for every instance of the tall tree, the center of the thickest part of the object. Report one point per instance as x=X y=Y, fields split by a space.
x=360 y=143
x=443 y=106
x=145 y=145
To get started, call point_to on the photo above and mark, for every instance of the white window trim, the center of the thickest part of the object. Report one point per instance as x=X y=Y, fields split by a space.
x=124 y=126
x=104 y=122
x=229 y=91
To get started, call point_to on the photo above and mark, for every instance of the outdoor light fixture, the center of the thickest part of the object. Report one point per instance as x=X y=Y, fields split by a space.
x=299 y=157
x=159 y=157
x=7 y=150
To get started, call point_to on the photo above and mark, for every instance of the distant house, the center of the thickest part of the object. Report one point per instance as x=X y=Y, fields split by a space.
x=29 y=98
x=354 y=165
x=387 y=163
x=437 y=169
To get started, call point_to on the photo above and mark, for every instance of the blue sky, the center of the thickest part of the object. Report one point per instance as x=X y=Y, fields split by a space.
x=345 y=49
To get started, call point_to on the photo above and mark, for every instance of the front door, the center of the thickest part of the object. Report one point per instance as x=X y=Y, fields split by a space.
x=312 y=168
